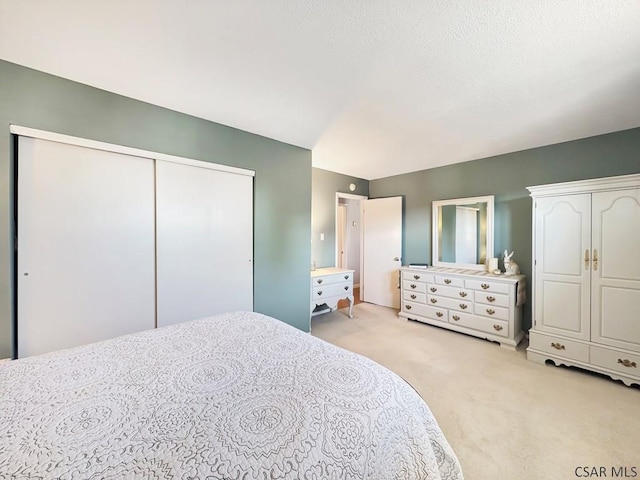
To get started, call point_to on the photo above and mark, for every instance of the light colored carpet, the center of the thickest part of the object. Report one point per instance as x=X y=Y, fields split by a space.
x=506 y=418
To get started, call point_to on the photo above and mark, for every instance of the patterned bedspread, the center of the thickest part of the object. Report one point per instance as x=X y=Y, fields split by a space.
x=235 y=396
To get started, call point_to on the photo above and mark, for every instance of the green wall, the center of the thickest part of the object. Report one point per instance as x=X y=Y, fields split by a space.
x=282 y=183
x=506 y=177
x=323 y=207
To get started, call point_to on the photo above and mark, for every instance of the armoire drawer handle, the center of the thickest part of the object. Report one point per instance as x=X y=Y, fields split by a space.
x=413 y=297
x=456 y=318
x=627 y=363
x=346 y=287
x=439 y=314
x=319 y=280
x=463 y=306
x=558 y=346
x=497 y=327
x=484 y=286
x=417 y=277
x=490 y=311
x=447 y=281
x=413 y=285
x=433 y=289
x=346 y=277
x=463 y=294
x=433 y=300
x=408 y=307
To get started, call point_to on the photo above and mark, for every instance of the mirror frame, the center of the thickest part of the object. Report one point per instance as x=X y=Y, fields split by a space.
x=435 y=206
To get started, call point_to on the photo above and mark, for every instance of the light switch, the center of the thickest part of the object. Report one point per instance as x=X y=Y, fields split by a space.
x=322 y=237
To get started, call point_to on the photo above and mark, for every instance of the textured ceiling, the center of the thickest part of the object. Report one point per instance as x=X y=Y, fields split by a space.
x=374 y=88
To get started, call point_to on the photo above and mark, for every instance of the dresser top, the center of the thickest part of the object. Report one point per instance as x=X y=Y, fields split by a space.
x=467 y=273
x=320 y=272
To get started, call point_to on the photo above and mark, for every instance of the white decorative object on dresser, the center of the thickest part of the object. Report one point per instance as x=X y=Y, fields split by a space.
x=328 y=286
x=586 y=276
x=476 y=303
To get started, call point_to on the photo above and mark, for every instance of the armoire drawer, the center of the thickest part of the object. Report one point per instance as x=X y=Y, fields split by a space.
x=494 y=327
x=434 y=313
x=414 y=286
x=561 y=347
x=622 y=362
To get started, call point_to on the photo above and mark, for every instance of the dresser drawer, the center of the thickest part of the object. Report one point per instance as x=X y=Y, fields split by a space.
x=500 y=313
x=425 y=311
x=490 y=298
x=444 y=302
x=622 y=362
x=494 y=327
x=414 y=286
x=488 y=286
x=417 y=276
x=332 y=290
x=449 y=281
x=414 y=296
x=328 y=279
x=451 y=292
x=559 y=346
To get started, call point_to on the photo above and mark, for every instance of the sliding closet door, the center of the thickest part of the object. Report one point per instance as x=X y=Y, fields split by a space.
x=204 y=242
x=85 y=245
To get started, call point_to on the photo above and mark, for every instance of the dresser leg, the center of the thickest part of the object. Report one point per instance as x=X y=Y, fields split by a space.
x=350 y=298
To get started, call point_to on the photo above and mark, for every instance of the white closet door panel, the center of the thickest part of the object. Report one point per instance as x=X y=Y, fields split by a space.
x=562 y=277
x=204 y=243
x=616 y=280
x=86 y=263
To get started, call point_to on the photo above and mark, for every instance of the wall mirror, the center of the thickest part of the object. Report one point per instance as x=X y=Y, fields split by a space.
x=462 y=232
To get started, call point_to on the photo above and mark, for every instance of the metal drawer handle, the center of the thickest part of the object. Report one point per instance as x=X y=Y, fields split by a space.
x=456 y=318
x=433 y=300
x=463 y=306
x=413 y=285
x=439 y=314
x=346 y=287
x=491 y=299
x=595 y=261
x=490 y=311
x=586 y=259
x=319 y=292
x=433 y=289
x=497 y=327
x=413 y=296
x=417 y=277
x=484 y=286
x=557 y=346
x=346 y=277
x=319 y=280
x=447 y=281
x=627 y=363
x=463 y=294
x=408 y=307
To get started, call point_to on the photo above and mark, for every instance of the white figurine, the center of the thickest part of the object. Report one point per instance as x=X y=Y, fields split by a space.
x=510 y=267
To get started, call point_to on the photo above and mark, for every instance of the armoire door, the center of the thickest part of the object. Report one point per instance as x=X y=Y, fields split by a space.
x=562 y=265
x=204 y=226
x=615 y=273
x=86 y=262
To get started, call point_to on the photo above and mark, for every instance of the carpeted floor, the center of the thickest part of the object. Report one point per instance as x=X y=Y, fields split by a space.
x=505 y=417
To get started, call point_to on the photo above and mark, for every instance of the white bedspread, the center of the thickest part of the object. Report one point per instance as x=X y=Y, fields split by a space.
x=235 y=396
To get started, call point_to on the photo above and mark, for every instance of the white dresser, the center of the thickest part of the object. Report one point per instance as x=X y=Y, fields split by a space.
x=586 y=276
x=328 y=286
x=472 y=302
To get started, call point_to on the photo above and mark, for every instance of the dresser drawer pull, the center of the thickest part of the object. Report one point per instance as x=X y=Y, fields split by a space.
x=447 y=281
x=491 y=299
x=433 y=289
x=627 y=363
x=439 y=314
x=490 y=311
x=433 y=300
x=463 y=306
x=413 y=297
x=463 y=294
x=346 y=287
x=319 y=292
x=484 y=286
x=408 y=307
x=456 y=318
x=417 y=277
x=497 y=327
x=558 y=346
x=319 y=280
x=413 y=285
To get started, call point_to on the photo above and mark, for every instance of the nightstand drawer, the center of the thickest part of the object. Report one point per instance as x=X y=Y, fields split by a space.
x=331 y=290
x=328 y=279
x=559 y=346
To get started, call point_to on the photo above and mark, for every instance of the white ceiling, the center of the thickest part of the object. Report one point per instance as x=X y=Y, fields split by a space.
x=373 y=87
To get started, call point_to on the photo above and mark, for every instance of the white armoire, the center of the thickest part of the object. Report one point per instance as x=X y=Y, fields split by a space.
x=586 y=276
x=113 y=240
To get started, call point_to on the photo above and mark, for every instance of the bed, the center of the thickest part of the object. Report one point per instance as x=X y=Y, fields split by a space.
x=234 y=396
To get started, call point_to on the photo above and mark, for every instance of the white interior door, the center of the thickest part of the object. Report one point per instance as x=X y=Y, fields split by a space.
x=86 y=265
x=205 y=242
x=382 y=250
x=342 y=232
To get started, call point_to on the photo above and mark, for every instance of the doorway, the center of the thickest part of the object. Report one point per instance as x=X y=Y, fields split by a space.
x=349 y=237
